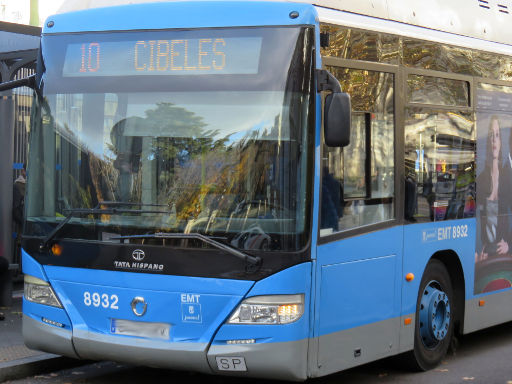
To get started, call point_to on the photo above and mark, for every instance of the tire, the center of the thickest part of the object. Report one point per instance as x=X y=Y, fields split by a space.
x=434 y=318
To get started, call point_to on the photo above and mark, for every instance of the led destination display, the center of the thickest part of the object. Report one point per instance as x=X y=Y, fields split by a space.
x=228 y=56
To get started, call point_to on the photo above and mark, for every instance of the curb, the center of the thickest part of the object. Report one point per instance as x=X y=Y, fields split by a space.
x=34 y=365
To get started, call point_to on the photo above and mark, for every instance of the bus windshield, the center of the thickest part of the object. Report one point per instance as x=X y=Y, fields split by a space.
x=199 y=131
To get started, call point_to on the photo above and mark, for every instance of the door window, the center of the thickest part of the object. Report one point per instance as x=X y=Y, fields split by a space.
x=358 y=180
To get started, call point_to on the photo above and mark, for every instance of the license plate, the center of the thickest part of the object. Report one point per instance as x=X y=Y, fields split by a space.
x=231 y=363
x=159 y=331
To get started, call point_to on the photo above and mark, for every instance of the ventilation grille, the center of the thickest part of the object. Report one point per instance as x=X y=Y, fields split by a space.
x=484 y=4
x=503 y=8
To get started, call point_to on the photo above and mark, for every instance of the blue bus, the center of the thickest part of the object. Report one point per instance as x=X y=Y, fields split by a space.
x=269 y=189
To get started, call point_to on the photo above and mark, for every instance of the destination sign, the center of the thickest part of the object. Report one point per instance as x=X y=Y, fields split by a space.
x=207 y=56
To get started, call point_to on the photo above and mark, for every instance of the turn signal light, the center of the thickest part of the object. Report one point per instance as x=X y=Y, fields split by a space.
x=56 y=249
x=288 y=312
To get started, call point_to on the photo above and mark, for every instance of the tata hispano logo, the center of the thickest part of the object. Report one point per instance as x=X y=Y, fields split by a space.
x=138 y=255
x=137 y=265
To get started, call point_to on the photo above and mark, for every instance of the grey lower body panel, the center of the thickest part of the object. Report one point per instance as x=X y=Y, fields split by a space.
x=286 y=361
x=95 y=346
x=161 y=354
x=47 y=338
x=355 y=346
x=279 y=361
x=496 y=310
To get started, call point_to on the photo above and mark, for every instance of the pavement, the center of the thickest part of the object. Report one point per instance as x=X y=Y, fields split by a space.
x=16 y=360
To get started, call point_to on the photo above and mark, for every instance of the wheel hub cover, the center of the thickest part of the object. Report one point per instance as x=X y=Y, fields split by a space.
x=434 y=315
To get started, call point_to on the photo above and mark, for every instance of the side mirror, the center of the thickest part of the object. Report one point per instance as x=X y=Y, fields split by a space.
x=337 y=119
x=337 y=110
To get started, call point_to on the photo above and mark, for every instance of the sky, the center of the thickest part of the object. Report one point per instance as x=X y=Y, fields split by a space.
x=18 y=11
x=48 y=7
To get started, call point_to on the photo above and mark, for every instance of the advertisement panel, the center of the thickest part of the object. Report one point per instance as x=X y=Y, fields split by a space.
x=493 y=255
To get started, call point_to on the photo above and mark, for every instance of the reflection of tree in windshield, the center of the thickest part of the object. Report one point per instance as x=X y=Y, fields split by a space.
x=219 y=178
x=169 y=158
x=145 y=150
x=198 y=174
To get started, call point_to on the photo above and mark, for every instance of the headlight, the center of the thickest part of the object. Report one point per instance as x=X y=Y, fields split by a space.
x=276 y=309
x=40 y=292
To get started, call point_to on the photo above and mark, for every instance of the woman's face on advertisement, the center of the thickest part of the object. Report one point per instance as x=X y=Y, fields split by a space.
x=495 y=139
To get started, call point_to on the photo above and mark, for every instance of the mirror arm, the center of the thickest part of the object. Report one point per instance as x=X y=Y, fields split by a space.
x=325 y=81
x=25 y=82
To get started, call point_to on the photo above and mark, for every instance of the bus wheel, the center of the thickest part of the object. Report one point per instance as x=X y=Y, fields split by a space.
x=434 y=318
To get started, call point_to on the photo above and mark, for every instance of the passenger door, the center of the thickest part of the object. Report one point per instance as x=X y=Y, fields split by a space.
x=360 y=242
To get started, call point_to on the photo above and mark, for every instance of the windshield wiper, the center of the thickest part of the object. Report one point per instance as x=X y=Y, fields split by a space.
x=91 y=211
x=252 y=262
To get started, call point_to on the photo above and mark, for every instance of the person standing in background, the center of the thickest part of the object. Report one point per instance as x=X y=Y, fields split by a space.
x=18 y=208
x=4 y=270
x=18 y=199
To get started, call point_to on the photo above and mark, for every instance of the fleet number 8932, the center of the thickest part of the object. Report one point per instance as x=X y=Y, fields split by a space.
x=100 y=299
x=452 y=232
x=459 y=231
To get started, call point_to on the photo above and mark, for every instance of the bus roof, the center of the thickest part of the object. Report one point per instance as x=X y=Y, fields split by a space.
x=486 y=20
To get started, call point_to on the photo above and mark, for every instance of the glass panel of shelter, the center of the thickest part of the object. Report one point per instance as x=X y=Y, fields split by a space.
x=358 y=180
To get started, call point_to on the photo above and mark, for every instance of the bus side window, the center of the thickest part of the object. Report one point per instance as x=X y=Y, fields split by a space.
x=358 y=180
x=439 y=150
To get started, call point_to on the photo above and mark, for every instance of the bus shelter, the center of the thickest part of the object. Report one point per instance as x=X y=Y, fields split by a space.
x=18 y=53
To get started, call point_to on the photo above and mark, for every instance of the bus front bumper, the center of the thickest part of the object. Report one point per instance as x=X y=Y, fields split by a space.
x=282 y=361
